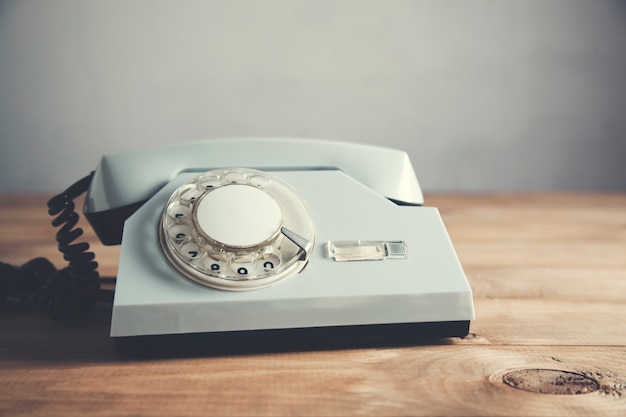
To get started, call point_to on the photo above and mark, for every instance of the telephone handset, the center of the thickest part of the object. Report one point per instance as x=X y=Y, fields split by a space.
x=123 y=181
x=247 y=244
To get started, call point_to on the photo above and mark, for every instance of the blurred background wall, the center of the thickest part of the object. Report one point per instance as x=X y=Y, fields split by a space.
x=483 y=95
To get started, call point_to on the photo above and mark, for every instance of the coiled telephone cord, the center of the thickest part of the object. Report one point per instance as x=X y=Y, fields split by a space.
x=66 y=293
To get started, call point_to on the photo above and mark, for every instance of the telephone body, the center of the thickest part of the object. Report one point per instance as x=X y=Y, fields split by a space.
x=242 y=244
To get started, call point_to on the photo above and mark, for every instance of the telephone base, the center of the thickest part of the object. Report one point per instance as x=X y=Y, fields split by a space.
x=295 y=339
x=424 y=295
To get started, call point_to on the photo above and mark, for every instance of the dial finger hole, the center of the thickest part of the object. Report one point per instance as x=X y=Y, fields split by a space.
x=191 y=250
x=189 y=193
x=235 y=177
x=260 y=181
x=244 y=267
x=178 y=211
x=214 y=266
x=209 y=181
x=179 y=232
x=270 y=261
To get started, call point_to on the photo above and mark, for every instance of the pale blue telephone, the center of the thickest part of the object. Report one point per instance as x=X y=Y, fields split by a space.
x=248 y=244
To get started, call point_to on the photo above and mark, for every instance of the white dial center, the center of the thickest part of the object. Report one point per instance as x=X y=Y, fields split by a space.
x=239 y=216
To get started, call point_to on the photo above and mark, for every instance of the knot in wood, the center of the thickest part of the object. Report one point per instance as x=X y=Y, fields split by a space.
x=550 y=381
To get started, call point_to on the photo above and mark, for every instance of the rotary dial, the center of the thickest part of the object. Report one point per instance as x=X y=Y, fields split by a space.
x=236 y=229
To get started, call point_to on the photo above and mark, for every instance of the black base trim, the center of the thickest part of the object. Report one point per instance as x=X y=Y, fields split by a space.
x=297 y=339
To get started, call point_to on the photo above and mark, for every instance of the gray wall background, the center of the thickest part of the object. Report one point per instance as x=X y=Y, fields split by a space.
x=483 y=95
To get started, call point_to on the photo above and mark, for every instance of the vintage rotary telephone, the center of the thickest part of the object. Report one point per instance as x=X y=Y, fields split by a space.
x=246 y=244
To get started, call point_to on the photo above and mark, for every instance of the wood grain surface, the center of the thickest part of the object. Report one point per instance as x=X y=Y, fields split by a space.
x=549 y=279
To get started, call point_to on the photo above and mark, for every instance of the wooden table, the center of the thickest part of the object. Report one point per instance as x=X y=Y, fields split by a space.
x=549 y=279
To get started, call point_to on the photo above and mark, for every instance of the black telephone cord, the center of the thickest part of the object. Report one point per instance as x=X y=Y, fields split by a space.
x=66 y=293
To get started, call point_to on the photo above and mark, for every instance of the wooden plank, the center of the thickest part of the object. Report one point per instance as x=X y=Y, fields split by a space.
x=552 y=323
x=548 y=275
x=398 y=381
